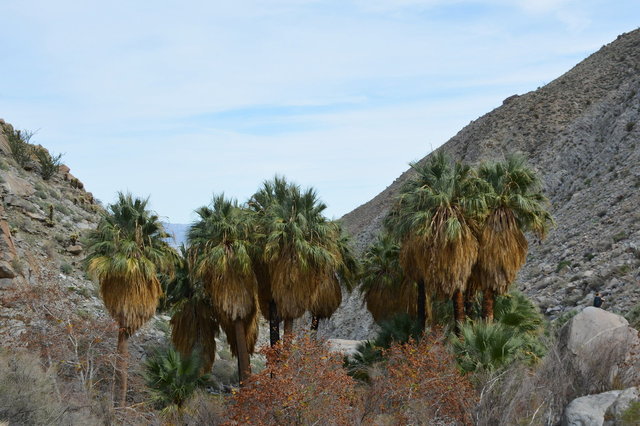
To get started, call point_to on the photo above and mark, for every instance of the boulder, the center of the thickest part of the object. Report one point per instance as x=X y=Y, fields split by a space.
x=6 y=271
x=603 y=409
x=18 y=186
x=74 y=249
x=343 y=346
x=589 y=410
x=602 y=345
x=621 y=404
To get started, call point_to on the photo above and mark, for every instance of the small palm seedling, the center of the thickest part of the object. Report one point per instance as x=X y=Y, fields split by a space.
x=172 y=378
x=486 y=346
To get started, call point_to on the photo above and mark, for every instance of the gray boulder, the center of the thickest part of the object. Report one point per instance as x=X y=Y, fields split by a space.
x=589 y=410
x=603 y=409
x=602 y=348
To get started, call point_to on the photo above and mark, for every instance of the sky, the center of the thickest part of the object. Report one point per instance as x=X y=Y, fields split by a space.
x=178 y=100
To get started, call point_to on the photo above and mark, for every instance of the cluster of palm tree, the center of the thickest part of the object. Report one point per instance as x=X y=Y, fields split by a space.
x=275 y=255
x=454 y=231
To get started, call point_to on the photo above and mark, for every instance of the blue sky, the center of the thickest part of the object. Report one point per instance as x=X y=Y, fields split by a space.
x=178 y=100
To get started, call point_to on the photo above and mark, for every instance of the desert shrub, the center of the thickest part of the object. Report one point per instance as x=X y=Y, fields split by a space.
x=19 y=144
x=80 y=348
x=3 y=165
x=49 y=164
x=66 y=269
x=201 y=409
x=399 y=329
x=27 y=393
x=419 y=384
x=303 y=383
x=172 y=378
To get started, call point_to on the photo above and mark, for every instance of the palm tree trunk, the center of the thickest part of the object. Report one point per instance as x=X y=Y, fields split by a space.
x=315 y=323
x=458 y=310
x=468 y=303
x=422 y=308
x=288 y=328
x=122 y=364
x=488 y=298
x=244 y=367
x=274 y=323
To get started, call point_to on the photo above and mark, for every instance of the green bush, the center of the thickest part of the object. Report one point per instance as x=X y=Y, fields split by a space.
x=66 y=269
x=19 y=144
x=172 y=379
x=49 y=164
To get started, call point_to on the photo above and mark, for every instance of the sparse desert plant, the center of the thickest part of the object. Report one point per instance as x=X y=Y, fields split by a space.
x=172 y=378
x=27 y=393
x=49 y=164
x=303 y=383
x=562 y=264
x=21 y=149
x=66 y=269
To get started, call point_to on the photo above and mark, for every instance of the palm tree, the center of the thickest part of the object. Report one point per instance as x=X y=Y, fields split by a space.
x=126 y=253
x=516 y=205
x=221 y=257
x=298 y=252
x=434 y=218
x=272 y=193
x=386 y=290
x=328 y=294
x=194 y=323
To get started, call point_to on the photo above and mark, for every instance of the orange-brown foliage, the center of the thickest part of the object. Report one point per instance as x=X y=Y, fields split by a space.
x=303 y=383
x=420 y=384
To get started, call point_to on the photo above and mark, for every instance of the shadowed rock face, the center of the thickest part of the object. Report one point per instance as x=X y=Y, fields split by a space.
x=581 y=132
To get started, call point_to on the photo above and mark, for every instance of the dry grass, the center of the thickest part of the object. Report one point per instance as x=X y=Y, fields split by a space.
x=521 y=395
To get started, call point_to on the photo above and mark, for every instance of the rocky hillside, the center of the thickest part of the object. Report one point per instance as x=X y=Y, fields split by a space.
x=42 y=222
x=581 y=132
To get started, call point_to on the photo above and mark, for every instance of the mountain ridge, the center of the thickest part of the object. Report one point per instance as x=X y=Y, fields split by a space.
x=580 y=132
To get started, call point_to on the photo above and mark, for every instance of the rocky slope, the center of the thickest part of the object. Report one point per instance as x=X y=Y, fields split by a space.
x=581 y=132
